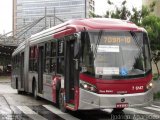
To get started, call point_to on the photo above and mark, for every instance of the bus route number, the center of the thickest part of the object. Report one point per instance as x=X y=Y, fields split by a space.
x=117 y=39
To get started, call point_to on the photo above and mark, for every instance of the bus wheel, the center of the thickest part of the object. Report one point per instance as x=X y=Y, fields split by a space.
x=61 y=102
x=35 y=92
x=19 y=92
x=117 y=111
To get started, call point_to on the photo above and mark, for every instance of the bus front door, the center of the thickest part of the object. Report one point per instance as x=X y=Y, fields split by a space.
x=71 y=74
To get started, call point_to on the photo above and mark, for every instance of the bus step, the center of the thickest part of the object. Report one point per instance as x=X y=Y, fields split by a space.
x=70 y=105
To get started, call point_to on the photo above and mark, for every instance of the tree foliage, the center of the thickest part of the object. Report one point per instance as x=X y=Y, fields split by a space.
x=119 y=12
x=91 y=14
x=152 y=25
x=124 y=13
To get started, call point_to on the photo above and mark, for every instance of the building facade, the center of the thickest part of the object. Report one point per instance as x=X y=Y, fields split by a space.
x=157 y=6
x=28 y=11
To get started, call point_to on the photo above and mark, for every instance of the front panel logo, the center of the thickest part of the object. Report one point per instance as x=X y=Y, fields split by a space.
x=123 y=99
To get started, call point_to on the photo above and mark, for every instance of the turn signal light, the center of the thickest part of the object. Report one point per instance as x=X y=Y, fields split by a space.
x=149 y=85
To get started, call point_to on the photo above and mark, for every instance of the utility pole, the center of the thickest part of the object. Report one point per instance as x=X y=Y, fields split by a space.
x=85 y=8
x=45 y=17
x=50 y=25
x=54 y=16
x=24 y=22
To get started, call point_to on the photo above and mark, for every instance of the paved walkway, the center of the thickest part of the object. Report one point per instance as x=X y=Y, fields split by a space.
x=5 y=79
x=156 y=85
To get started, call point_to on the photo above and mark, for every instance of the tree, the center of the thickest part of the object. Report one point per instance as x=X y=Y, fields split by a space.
x=152 y=24
x=137 y=16
x=133 y=15
x=93 y=15
x=156 y=59
x=120 y=13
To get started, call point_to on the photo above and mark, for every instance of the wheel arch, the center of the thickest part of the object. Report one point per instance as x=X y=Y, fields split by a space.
x=16 y=83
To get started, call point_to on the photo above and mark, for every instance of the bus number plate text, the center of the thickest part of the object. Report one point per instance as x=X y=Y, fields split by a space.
x=121 y=105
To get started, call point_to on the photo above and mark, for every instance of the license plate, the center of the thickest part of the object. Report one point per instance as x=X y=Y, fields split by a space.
x=121 y=105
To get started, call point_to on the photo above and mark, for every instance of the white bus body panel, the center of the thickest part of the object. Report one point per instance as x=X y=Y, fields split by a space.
x=90 y=100
x=47 y=87
x=26 y=67
x=31 y=76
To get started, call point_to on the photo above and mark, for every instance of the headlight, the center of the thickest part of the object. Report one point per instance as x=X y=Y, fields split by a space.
x=149 y=85
x=87 y=86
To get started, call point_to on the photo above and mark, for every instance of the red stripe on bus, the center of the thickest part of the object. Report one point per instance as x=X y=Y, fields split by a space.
x=126 y=86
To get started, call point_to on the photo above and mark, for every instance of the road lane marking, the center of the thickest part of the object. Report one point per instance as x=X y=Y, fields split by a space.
x=45 y=112
x=59 y=113
x=107 y=110
x=30 y=113
x=153 y=108
x=18 y=114
x=138 y=111
x=5 y=110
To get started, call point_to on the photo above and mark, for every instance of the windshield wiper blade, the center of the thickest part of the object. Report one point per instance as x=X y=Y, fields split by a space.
x=136 y=40
x=98 y=40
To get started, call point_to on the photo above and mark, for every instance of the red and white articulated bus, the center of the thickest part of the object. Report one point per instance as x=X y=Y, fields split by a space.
x=86 y=64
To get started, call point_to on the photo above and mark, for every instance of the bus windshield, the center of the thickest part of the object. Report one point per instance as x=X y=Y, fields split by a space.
x=115 y=54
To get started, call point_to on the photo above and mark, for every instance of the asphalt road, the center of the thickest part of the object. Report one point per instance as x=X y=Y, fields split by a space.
x=24 y=107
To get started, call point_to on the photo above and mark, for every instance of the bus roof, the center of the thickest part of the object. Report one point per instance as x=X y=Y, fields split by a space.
x=78 y=25
x=93 y=24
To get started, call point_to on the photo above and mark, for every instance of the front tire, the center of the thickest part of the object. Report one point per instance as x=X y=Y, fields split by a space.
x=62 y=102
x=117 y=111
x=19 y=92
x=35 y=92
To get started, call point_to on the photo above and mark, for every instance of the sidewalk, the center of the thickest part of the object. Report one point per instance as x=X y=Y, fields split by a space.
x=156 y=86
x=5 y=79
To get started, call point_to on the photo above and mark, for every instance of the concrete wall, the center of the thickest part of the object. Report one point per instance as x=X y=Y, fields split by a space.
x=154 y=69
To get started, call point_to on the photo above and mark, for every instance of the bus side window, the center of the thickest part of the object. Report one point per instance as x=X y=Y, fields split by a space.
x=18 y=60
x=30 y=59
x=53 y=57
x=60 y=68
x=33 y=59
x=60 y=57
x=47 y=56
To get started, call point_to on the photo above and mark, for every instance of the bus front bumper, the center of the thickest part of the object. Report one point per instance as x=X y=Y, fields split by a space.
x=89 y=100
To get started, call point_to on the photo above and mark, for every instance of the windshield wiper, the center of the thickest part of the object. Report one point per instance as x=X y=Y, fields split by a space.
x=98 y=40
x=136 y=41
x=139 y=47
